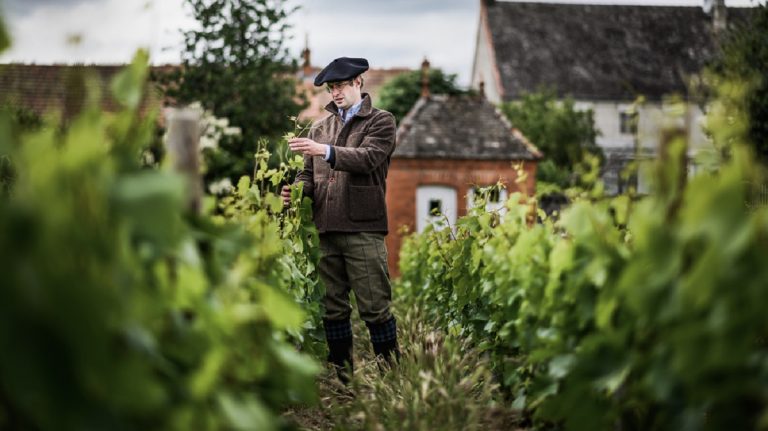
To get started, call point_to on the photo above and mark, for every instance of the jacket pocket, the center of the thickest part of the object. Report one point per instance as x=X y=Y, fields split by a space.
x=319 y=194
x=365 y=203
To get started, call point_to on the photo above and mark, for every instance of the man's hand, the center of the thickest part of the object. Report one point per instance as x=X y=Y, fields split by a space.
x=286 y=195
x=307 y=147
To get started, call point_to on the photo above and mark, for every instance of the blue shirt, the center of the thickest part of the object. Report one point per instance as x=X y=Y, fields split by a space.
x=349 y=113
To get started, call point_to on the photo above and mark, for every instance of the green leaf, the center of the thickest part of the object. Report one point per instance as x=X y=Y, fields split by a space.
x=128 y=85
x=281 y=310
x=247 y=413
x=559 y=366
x=5 y=40
x=613 y=380
x=296 y=362
x=206 y=376
x=274 y=202
x=243 y=185
x=604 y=313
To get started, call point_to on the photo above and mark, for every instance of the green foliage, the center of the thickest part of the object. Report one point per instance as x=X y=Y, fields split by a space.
x=561 y=132
x=289 y=234
x=13 y=120
x=120 y=310
x=744 y=58
x=25 y=119
x=623 y=314
x=400 y=93
x=5 y=39
x=237 y=65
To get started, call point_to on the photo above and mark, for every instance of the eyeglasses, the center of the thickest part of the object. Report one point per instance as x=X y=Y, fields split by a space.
x=333 y=86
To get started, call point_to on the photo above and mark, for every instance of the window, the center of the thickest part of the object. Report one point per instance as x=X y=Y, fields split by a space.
x=497 y=197
x=435 y=207
x=628 y=122
x=494 y=195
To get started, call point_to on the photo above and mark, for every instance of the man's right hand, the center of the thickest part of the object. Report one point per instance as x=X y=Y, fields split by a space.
x=286 y=195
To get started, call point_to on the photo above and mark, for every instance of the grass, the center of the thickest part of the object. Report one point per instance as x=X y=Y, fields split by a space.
x=441 y=383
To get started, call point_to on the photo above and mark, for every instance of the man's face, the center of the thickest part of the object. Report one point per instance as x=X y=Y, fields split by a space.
x=345 y=93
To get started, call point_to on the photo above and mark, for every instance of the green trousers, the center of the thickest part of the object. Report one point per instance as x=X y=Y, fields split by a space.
x=355 y=262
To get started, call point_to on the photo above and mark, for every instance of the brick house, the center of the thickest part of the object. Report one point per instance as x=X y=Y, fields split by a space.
x=43 y=88
x=603 y=56
x=58 y=87
x=446 y=147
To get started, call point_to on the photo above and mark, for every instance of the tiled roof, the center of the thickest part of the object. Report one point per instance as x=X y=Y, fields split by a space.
x=460 y=127
x=600 y=52
x=43 y=88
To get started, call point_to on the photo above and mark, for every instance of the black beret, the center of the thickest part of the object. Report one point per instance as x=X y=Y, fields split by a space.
x=341 y=69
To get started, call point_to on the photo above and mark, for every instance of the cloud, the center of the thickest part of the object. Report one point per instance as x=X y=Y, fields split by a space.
x=20 y=8
x=389 y=7
x=111 y=31
x=391 y=34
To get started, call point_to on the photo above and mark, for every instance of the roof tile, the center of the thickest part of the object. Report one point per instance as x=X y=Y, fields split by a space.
x=465 y=127
x=600 y=52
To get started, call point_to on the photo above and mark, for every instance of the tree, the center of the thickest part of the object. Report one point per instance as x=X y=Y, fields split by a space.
x=5 y=40
x=743 y=58
x=560 y=131
x=400 y=94
x=237 y=66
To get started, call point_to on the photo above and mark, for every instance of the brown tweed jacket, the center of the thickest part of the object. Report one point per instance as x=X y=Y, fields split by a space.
x=350 y=195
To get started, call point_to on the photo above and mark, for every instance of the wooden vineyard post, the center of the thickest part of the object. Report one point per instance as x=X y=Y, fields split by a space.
x=183 y=149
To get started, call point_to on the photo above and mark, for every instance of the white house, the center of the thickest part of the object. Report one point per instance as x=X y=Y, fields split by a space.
x=604 y=57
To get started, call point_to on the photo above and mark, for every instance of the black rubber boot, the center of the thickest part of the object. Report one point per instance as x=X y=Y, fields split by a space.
x=338 y=335
x=387 y=350
x=384 y=340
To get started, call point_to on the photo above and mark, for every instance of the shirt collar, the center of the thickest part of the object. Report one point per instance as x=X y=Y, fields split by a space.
x=349 y=113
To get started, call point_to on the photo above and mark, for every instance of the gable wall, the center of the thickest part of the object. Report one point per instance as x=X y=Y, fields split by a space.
x=406 y=175
x=483 y=69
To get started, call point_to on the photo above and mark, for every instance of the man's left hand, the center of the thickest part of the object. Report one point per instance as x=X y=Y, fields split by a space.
x=307 y=147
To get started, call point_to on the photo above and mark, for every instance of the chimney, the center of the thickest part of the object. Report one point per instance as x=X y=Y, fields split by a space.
x=306 y=65
x=425 y=78
x=719 y=16
x=717 y=9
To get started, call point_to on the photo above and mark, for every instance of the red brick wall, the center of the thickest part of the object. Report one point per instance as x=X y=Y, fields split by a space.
x=406 y=175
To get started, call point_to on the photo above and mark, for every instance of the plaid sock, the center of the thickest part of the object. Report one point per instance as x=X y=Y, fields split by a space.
x=337 y=329
x=383 y=332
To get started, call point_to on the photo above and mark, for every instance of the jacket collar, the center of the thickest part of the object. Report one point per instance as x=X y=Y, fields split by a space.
x=365 y=108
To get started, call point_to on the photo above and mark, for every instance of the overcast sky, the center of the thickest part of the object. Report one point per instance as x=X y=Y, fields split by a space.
x=390 y=33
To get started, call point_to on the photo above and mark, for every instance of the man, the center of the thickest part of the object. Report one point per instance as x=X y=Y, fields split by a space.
x=346 y=159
